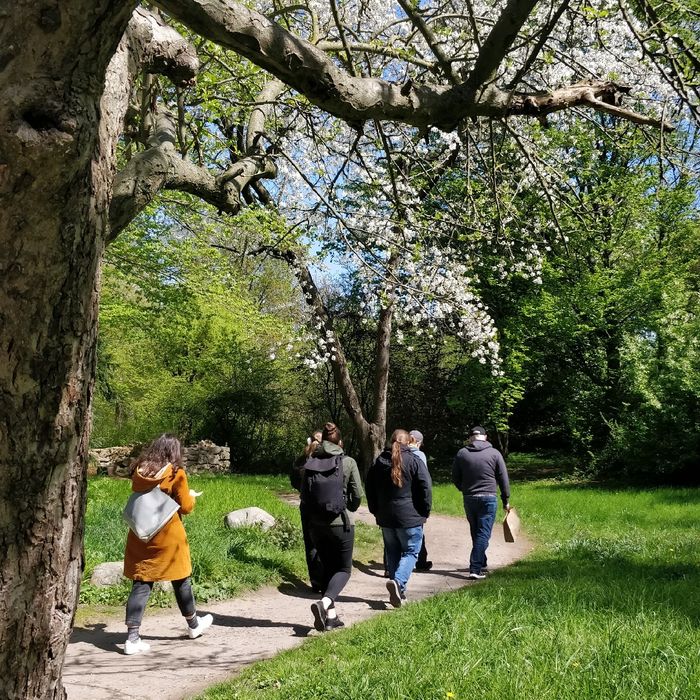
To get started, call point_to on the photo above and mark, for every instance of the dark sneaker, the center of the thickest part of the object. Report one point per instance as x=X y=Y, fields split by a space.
x=394 y=593
x=476 y=577
x=424 y=566
x=319 y=616
x=334 y=623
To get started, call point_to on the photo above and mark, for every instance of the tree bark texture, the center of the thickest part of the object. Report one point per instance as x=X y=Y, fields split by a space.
x=55 y=180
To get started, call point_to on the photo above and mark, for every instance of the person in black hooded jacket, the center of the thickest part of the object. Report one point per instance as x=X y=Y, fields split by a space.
x=333 y=534
x=399 y=495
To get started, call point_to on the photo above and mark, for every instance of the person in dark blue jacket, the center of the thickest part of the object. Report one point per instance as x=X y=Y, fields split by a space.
x=399 y=495
x=477 y=471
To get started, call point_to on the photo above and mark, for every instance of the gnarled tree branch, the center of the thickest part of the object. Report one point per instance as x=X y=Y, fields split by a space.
x=157 y=48
x=499 y=40
x=413 y=13
x=306 y=68
x=161 y=167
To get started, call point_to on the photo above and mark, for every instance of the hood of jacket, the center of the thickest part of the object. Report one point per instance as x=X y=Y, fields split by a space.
x=385 y=457
x=328 y=448
x=479 y=445
x=141 y=483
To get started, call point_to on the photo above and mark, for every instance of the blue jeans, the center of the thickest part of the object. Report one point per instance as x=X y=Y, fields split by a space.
x=402 y=546
x=481 y=514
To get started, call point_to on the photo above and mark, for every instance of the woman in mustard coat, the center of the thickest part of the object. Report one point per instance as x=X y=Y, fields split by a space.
x=166 y=556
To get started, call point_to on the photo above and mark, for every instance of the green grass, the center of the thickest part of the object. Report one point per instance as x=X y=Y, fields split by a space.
x=607 y=606
x=225 y=562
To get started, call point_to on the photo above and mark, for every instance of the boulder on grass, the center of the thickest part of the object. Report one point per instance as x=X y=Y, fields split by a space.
x=246 y=517
x=111 y=573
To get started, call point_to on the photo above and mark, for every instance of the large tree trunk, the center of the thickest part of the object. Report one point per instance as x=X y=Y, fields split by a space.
x=373 y=435
x=55 y=179
x=372 y=438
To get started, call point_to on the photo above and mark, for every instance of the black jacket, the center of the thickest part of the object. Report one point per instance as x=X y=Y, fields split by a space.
x=405 y=506
x=478 y=469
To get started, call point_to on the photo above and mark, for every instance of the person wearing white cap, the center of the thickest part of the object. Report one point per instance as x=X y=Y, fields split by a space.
x=478 y=470
x=415 y=444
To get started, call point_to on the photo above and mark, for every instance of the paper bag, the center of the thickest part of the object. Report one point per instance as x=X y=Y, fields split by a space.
x=511 y=526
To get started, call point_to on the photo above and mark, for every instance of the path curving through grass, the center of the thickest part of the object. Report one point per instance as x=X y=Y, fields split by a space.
x=256 y=626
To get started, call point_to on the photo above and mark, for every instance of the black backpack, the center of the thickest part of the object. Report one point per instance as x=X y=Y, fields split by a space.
x=322 y=485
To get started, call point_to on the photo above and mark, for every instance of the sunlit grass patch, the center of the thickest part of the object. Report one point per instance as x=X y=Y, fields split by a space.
x=607 y=606
x=225 y=562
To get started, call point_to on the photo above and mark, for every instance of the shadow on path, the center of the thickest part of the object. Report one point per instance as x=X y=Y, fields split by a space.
x=255 y=626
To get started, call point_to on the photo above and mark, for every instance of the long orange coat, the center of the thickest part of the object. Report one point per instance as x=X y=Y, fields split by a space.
x=165 y=557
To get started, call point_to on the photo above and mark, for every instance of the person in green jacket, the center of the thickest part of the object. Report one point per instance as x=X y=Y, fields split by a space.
x=331 y=524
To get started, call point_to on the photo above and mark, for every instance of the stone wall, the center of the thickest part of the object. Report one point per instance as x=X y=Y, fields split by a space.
x=207 y=458
x=203 y=458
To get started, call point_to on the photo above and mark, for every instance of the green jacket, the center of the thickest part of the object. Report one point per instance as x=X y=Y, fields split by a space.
x=352 y=486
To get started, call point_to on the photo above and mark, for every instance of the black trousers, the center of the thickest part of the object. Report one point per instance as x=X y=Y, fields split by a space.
x=141 y=592
x=423 y=556
x=334 y=544
x=317 y=577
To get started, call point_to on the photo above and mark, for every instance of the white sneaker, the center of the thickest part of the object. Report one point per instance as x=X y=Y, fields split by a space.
x=203 y=624
x=136 y=647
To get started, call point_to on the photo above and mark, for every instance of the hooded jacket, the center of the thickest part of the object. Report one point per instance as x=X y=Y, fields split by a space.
x=165 y=557
x=352 y=486
x=479 y=469
x=399 y=506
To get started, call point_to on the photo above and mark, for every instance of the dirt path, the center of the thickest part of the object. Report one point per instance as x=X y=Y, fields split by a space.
x=254 y=627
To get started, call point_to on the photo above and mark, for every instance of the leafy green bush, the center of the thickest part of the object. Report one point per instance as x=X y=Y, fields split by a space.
x=285 y=534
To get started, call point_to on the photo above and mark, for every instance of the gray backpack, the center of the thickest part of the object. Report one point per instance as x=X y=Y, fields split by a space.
x=148 y=512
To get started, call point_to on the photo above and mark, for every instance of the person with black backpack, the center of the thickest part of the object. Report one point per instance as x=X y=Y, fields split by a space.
x=330 y=491
x=296 y=477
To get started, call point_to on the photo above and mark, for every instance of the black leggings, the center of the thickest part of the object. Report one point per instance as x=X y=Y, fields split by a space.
x=141 y=592
x=313 y=561
x=334 y=544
